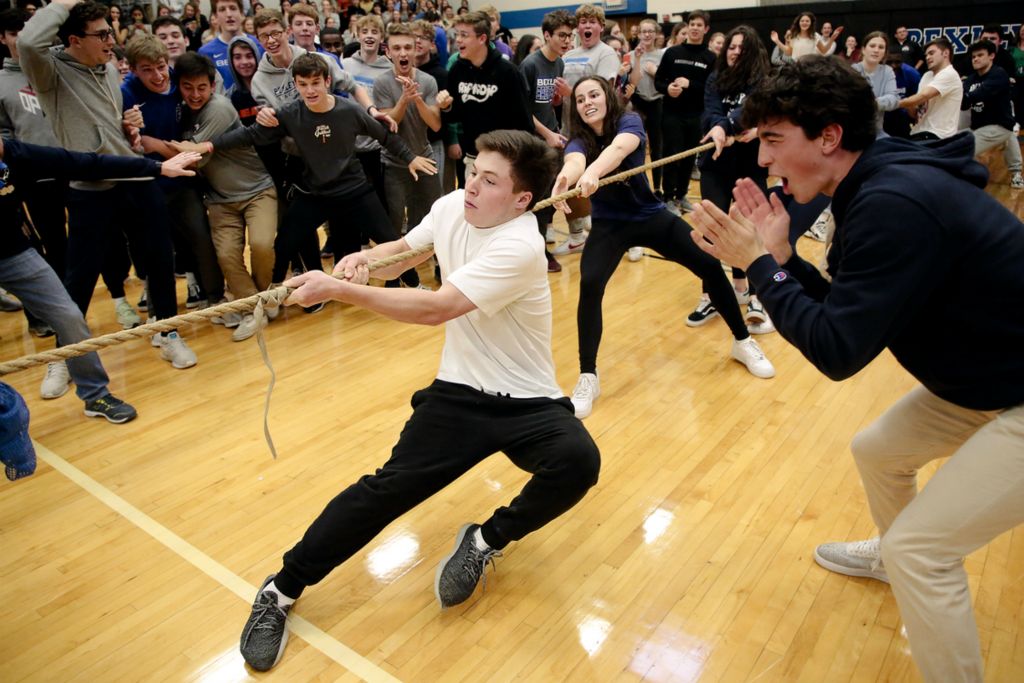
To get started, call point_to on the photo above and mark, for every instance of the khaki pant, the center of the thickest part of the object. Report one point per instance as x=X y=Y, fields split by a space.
x=228 y=223
x=975 y=496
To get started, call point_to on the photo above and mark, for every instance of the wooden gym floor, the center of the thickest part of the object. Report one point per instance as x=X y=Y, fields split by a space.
x=134 y=551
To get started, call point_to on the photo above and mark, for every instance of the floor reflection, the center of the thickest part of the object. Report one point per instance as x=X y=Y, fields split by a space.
x=393 y=557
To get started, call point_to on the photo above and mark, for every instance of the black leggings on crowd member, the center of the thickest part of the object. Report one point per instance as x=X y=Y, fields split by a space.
x=360 y=212
x=651 y=112
x=716 y=184
x=669 y=236
x=452 y=428
x=139 y=211
x=681 y=133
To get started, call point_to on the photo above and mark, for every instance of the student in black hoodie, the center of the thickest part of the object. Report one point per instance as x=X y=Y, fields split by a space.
x=485 y=92
x=917 y=240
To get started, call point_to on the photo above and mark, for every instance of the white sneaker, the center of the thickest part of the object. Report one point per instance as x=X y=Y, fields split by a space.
x=588 y=388
x=549 y=235
x=229 y=320
x=246 y=328
x=56 y=382
x=748 y=352
x=1017 y=181
x=126 y=315
x=756 y=312
x=742 y=297
x=635 y=254
x=570 y=247
x=857 y=558
x=174 y=349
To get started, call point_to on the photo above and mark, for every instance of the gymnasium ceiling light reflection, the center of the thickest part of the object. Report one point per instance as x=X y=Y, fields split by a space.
x=394 y=557
x=656 y=524
x=593 y=632
x=227 y=667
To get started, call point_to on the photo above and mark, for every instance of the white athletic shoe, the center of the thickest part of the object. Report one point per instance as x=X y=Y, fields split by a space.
x=635 y=254
x=823 y=227
x=588 y=388
x=748 y=352
x=246 y=328
x=756 y=313
x=857 y=558
x=549 y=235
x=570 y=246
x=174 y=349
x=126 y=315
x=56 y=382
x=1017 y=181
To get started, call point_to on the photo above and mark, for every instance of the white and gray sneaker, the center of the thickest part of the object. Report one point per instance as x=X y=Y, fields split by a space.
x=588 y=388
x=174 y=349
x=265 y=633
x=246 y=328
x=856 y=558
x=127 y=318
x=757 y=317
x=56 y=382
x=748 y=352
x=1017 y=181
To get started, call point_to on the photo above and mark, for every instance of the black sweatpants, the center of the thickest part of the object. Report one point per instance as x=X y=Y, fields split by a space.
x=668 y=235
x=651 y=112
x=681 y=133
x=350 y=215
x=453 y=427
x=718 y=178
x=140 y=211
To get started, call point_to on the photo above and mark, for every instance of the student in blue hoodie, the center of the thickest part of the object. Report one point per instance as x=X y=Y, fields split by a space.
x=917 y=240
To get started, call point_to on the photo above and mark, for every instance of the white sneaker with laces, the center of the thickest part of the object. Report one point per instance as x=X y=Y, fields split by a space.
x=570 y=247
x=756 y=312
x=126 y=315
x=856 y=558
x=635 y=254
x=742 y=297
x=588 y=388
x=246 y=328
x=748 y=352
x=1017 y=181
x=704 y=312
x=174 y=349
x=549 y=235
x=56 y=382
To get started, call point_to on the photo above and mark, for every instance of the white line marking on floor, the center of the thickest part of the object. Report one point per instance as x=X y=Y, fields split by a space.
x=345 y=656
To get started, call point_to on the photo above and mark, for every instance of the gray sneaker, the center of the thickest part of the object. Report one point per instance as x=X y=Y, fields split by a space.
x=265 y=634
x=461 y=570
x=857 y=558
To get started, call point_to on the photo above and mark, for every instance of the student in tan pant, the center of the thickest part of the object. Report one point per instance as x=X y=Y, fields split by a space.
x=917 y=240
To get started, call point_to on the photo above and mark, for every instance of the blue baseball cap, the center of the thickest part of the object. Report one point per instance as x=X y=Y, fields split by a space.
x=16 y=450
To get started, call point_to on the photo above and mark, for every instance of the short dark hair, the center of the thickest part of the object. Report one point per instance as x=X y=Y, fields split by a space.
x=534 y=162
x=699 y=14
x=214 y=4
x=160 y=22
x=979 y=45
x=310 y=65
x=552 y=20
x=192 y=64
x=13 y=20
x=815 y=92
x=941 y=42
x=993 y=28
x=78 y=17
x=329 y=31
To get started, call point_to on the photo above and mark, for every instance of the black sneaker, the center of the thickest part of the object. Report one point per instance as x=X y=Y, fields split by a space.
x=40 y=329
x=704 y=312
x=143 y=304
x=265 y=635
x=461 y=570
x=315 y=308
x=196 y=297
x=112 y=408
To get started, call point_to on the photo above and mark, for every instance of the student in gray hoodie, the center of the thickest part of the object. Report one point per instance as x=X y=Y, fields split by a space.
x=79 y=91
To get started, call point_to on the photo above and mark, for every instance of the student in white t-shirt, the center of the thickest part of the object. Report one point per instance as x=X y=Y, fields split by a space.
x=937 y=102
x=495 y=389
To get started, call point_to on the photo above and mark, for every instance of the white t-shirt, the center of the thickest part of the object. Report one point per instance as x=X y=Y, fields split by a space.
x=942 y=113
x=505 y=344
x=804 y=46
x=601 y=60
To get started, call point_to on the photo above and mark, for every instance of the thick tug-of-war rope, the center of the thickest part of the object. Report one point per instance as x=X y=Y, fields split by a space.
x=275 y=297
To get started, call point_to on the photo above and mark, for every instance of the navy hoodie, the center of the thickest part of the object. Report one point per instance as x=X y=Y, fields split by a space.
x=924 y=262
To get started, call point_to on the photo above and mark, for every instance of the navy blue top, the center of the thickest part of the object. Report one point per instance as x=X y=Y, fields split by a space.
x=917 y=241
x=631 y=200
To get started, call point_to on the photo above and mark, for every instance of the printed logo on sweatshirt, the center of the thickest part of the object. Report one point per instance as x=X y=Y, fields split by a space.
x=477 y=92
x=780 y=276
x=322 y=133
x=29 y=101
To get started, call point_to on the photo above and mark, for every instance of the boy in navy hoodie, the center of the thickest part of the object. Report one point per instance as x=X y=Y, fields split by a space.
x=917 y=240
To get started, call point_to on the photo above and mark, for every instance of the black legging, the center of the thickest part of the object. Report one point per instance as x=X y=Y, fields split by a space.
x=718 y=178
x=668 y=235
x=352 y=213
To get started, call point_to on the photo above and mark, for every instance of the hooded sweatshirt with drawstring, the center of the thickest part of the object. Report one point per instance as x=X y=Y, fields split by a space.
x=83 y=103
x=925 y=263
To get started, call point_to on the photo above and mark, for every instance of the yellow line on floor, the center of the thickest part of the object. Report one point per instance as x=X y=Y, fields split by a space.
x=345 y=656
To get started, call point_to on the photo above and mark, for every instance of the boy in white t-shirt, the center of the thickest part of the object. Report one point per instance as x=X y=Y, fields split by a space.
x=938 y=97
x=495 y=389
